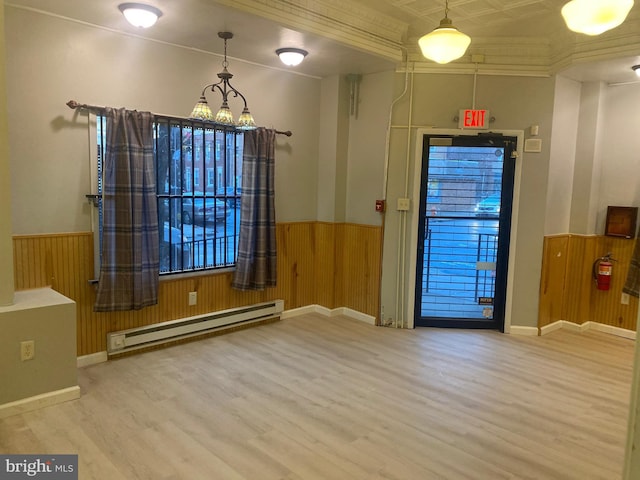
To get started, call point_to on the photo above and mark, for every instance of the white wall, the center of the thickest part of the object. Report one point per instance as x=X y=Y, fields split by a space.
x=588 y=166
x=52 y=60
x=516 y=103
x=49 y=320
x=620 y=147
x=6 y=241
x=367 y=148
x=333 y=142
x=562 y=160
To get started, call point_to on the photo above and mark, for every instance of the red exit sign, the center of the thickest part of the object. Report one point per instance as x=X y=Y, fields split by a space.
x=478 y=119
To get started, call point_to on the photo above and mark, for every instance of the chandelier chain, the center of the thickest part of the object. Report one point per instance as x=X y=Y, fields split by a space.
x=225 y=62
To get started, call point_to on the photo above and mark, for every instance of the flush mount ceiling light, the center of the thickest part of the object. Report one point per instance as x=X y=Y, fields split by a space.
x=636 y=69
x=139 y=14
x=446 y=42
x=291 y=56
x=224 y=116
x=593 y=17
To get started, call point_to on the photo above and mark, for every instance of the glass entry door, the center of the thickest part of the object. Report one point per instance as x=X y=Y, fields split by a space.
x=465 y=217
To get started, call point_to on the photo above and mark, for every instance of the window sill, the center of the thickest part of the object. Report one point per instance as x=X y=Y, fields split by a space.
x=198 y=273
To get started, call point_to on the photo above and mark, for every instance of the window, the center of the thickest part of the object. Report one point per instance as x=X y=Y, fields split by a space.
x=196 y=177
x=198 y=224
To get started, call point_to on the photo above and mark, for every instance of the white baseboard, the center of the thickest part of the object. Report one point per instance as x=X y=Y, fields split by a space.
x=519 y=330
x=39 y=401
x=600 y=327
x=552 y=327
x=348 y=312
x=327 y=312
x=610 y=329
x=92 y=359
x=296 y=312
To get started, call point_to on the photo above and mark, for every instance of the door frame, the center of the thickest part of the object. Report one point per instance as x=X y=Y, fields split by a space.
x=415 y=214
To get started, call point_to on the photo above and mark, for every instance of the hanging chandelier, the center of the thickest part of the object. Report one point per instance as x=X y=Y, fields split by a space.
x=445 y=43
x=224 y=116
x=593 y=17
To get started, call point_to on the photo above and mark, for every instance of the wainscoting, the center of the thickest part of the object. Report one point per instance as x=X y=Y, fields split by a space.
x=567 y=290
x=327 y=264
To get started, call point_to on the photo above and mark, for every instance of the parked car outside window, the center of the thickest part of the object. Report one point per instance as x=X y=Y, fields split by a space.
x=489 y=206
x=203 y=210
x=231 y=195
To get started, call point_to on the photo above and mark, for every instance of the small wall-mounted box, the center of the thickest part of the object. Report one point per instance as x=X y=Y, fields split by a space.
x=621 y=221
x=403 y=204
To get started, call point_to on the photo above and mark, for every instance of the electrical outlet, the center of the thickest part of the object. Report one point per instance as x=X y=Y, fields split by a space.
x=625 y=299
x=193 y=298
x=403 y=204
x=27 y=350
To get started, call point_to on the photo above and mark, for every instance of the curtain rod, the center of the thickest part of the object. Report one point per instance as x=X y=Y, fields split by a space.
x=72 y=104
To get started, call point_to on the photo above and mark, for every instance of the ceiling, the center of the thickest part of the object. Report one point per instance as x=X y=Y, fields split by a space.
x=341 y=36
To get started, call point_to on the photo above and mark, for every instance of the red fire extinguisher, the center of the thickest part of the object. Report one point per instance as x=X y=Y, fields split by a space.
x=602 y=268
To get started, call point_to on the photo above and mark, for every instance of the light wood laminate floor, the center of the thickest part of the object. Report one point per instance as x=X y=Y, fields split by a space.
x=332 y=398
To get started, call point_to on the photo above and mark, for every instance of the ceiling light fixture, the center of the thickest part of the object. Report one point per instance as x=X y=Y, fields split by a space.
x=446 y=43
x=224 y=116
x=139 y=14
x=636 y=69
x=291 y=56
x=593 y=17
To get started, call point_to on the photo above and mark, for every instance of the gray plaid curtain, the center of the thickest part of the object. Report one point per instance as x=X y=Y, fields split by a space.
x=256 y=264
x=129 y=272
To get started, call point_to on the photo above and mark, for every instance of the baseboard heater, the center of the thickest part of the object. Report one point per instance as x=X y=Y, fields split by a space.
x=158 y=333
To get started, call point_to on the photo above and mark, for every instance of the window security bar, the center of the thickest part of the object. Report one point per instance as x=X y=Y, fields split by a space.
x=198 y=191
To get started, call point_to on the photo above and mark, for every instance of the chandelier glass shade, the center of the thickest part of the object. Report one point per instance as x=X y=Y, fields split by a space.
x=291 y=56
x=202 y=111
x=139 y=14
x=593 y=17
x=445 y=43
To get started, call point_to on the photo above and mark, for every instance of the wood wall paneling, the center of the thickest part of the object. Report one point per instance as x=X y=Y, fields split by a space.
x=326 y=271
x=333 y=265
x=552 y=280
x=580 y=300
x=606 y=306
x=579 y=282
x=358 y=286
x=296 y=260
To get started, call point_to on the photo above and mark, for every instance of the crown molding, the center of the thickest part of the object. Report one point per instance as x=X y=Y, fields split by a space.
x=532 y=56
x=574 y=49
x=363 y=28
x=354 y=25
x=467 y=68
x=512 y=56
